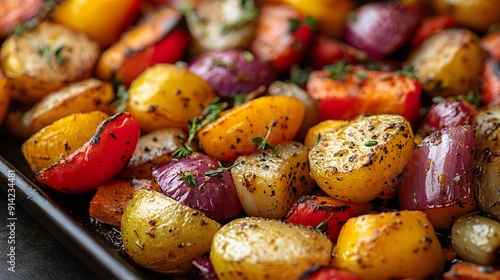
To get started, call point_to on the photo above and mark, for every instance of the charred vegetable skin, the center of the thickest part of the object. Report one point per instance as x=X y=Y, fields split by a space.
x=325 y=213
x=98 y=160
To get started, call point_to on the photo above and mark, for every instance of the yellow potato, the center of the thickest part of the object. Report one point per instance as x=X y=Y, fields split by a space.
x=448 y=63
x=254 y=248
x=163 y=234
x=392 y=245
x=58 y=140
x=166 y=95
x=85 y=96
x=361 y=161
x=268 y=184
x=475 y=14
x=315 y=133
x=487 y=131
x=46 y=59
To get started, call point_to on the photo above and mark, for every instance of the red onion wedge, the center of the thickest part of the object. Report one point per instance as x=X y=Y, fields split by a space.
x=446 y=114
x=439 y=176
x=232 y=72
x=379 y=29
x=185 y=180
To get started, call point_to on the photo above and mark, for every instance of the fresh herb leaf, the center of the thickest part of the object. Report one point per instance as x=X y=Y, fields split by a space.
x=373 y=66
x=189 y=178
x=472 y=98
x=323 y=226
x=61 y=59
x=248 y=56
x=293 y=24
x=121 y=98
x=318 y=138
x=264 y=142
x=438 y=88
x=184 y=151
x=238 y=99
x=407 y=72
x=338 y=70
x=310 y=21
x=44 y=50
x=217 y=173
x=299 y=76
x=362 y=74
x=182 y=64
x=371 y=143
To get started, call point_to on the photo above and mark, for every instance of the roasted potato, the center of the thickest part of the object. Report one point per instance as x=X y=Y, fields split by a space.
x=361 y=160
x=80 y=97
x=448 y=63
x=487 y=130
x=475 y=14
x=487 y=184
x=254 y=248
x=166 y=95
x=316 y=133
x=58 y=140
x=268 y=184
x=391 y=245
x=165 y=235
x=46 y=59
x=154 y=148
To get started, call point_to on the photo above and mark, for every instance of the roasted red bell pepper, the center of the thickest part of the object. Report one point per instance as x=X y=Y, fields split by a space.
x=491 y=44
x=160 y=40
x=346 y=92
x=431 y=26
x=100 y=159
x=490 y=83
x=325 y=213
x=326 y=51
x=282 y=36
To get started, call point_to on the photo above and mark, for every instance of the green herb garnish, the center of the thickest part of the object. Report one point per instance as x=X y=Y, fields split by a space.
x=363 y=75
x=338 y=70
x=264 y=142
x=47 y=53
x=323 y=226
x=371 y=143
x=299 y=76
x=407 y=72
x=217 y=173
x=189 y=178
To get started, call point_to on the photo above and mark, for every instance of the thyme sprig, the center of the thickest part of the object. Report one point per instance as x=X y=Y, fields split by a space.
x=189 y=178
x=264 y=143
x=217 y=173
x=209 y=115
x=323 y=226
x=338 y=70
x=47 y=53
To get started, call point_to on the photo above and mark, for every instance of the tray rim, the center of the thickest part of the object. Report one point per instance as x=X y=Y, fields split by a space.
x=91 y=252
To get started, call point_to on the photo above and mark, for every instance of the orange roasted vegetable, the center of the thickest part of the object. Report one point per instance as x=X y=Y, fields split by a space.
x=98 y=160
x=110 y=200
x=231 y=135
x=14 y=12
x=114 y=17
x=4 y=97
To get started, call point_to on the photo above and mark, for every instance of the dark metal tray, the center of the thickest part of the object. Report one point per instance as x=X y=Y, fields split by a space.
x=66 y=216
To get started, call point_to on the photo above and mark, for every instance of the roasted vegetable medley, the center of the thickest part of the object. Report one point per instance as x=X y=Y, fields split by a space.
x=284 y=139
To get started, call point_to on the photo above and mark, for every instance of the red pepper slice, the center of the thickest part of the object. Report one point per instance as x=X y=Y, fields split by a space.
x=100 y=159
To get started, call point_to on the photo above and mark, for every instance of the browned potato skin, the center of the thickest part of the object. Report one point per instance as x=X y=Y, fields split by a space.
x=163 y=234
x=448 y=63
x=487 y=184
x=487 y=131
x=154 y=148
x=256 y=248
x=58 y=140
x=32 y=75
x=268 y=184
x=346 y=168
x=85 y=96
